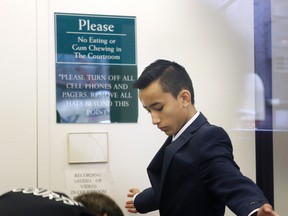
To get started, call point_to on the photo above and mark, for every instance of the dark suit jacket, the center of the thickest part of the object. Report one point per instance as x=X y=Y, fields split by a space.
x=196 y=175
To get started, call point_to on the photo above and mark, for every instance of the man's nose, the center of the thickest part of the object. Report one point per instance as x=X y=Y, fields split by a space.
x=155 y=119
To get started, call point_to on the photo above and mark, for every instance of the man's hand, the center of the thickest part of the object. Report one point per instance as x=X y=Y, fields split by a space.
x=130 y=203
x=266 y=210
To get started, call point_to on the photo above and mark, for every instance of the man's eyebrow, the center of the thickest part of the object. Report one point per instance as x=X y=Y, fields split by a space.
x=152 y=105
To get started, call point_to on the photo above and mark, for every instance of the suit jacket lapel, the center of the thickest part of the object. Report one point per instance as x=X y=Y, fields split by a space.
x=155 y=167
x=171 y=149
x=159 y=165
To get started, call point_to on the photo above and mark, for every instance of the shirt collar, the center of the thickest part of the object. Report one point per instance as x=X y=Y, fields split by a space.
x=185 y=126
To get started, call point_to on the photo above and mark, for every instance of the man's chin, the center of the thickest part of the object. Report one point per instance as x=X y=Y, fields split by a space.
x=168 y=133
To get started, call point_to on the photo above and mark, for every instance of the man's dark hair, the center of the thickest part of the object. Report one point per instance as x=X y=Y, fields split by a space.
x=99 y=204
x=172 y=76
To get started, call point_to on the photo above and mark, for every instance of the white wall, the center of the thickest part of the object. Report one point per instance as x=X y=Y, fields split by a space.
x=18 y=134
x=215 y=46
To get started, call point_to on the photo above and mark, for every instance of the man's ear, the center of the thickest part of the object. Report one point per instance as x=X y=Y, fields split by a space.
x=185 y=96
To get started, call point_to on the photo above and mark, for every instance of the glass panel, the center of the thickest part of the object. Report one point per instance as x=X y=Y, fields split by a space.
x=279 y=101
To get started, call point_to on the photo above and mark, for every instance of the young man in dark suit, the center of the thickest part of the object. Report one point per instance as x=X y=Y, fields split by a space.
x=194 y=172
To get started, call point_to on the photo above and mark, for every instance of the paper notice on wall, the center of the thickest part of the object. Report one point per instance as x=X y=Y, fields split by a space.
x=88 y=147
x=80 y=181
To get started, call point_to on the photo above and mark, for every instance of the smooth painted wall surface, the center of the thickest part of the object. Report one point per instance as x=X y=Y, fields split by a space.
x=213 y=42
x=18 y=135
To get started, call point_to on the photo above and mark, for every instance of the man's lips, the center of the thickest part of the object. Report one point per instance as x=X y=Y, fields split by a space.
x=163 y=128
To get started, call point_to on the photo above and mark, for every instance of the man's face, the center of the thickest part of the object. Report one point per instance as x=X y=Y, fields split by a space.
x=166 y=112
